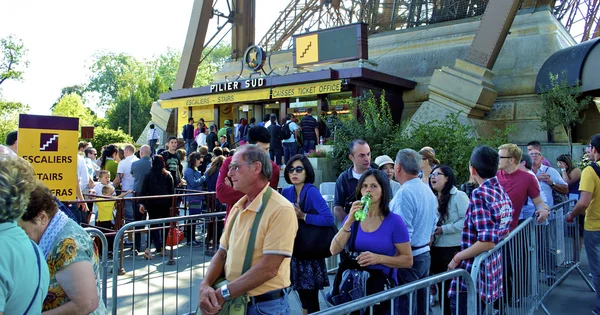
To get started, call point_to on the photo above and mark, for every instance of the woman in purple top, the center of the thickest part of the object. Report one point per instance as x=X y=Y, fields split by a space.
x=308 y=276
x=382 y=238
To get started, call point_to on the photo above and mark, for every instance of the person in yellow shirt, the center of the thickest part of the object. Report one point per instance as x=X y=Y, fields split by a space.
x=589 y=203
x=106 y=210
x=266 y=279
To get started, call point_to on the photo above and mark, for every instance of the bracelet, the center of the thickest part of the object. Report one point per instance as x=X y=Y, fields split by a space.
x=347 y=231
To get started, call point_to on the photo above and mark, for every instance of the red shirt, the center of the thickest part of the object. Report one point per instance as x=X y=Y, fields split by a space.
x=227 y=194
x=518 y=185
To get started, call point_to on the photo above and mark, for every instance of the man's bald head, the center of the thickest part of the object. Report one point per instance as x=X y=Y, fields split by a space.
x=145 y=150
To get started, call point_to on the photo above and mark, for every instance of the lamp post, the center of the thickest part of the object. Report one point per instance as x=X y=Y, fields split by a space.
x=130 y=95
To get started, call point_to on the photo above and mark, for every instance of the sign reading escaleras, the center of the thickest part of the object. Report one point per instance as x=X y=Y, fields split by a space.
x=49 y=143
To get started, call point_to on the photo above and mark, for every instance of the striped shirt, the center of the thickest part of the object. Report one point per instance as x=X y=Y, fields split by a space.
x=487 y=220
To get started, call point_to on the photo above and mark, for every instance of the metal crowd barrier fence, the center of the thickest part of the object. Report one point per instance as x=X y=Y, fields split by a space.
x=409 y=289
x=170 y=281
x=535 y=258
x=103 y=260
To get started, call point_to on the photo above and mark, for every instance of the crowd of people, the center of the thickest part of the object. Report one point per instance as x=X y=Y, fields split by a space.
x=417 y=221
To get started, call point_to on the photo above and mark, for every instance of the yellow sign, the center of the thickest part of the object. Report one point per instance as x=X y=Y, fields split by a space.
x=221 y=98
x=307 y=49
x=307 y=89
x=49 y=143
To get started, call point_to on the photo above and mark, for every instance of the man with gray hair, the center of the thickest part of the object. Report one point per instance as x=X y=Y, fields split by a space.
x=418 y=207
x=265 y=220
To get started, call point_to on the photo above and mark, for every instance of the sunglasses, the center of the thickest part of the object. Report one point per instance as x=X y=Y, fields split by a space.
x=298 y=169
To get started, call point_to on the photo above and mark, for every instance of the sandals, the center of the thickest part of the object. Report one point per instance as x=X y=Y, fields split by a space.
x=148 y=255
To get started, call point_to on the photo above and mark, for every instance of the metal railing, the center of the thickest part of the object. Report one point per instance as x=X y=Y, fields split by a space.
x=535 y=258
x=409 y=289
x=103 y=260
x=170 y=279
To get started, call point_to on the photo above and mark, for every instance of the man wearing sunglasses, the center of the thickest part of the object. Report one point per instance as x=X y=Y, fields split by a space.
x=225 y=191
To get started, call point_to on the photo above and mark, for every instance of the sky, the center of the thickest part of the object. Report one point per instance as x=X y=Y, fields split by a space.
x=61 y=37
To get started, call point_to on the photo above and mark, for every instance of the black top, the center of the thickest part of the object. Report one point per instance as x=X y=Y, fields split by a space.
x=155 y=185
x=210 y=141
x=188 y=132
x=308 y=125
x=275 y=132
x=205 y=161
x=172 y=164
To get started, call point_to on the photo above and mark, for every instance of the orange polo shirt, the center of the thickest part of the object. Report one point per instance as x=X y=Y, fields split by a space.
x=275 y=236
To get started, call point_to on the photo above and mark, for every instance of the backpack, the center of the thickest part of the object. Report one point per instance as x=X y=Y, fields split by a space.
x=286 y=133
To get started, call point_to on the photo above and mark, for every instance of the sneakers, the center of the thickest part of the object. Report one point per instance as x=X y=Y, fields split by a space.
x=194 y=243
x=432 y=299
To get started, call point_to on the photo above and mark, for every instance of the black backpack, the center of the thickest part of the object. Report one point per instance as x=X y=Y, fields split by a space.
x=286 y=133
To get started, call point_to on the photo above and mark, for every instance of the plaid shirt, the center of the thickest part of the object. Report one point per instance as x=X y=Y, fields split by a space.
x=487 y=220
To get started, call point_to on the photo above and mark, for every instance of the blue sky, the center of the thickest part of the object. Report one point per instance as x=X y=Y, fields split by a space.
x=62 y=35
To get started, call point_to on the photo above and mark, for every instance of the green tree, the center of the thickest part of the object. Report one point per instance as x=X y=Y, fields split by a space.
x=78 y=89
x=105 y=136
x=452 y=140
x=9 y=117
x=71 y=105
x=12 y=59
x=562 y=105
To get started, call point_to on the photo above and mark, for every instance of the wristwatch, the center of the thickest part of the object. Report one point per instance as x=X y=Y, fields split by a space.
x=225 y=293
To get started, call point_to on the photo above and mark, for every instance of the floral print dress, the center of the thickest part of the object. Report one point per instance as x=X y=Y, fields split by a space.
x=72 y=244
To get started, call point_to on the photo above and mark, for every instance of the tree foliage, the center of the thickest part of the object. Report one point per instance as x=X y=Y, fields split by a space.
x=12 y=59
x=562 y=105
x=71 y=105
x=105 y=136
x=9 y=117
x=452 y=140
x=122 y=80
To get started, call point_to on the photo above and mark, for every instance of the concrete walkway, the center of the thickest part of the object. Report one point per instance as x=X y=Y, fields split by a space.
x=155 y=287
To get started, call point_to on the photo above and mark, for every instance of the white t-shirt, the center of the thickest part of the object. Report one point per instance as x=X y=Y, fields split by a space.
x=201 y=139
x=98 y=189
x=125 y=169
x=293 y=127
x=355 y=174
x=82 y=173
x=555 y=177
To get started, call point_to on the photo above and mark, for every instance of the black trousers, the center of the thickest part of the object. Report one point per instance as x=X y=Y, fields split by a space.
x=440 y=258
x=110 y=239
x=309 y=300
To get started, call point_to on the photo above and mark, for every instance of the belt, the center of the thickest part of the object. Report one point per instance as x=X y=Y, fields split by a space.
x=269 y=296
x=418 y=247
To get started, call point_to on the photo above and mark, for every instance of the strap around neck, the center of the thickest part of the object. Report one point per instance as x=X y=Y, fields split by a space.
x=250 y=249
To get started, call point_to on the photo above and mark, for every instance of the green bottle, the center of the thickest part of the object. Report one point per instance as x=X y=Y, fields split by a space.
x=361 y=215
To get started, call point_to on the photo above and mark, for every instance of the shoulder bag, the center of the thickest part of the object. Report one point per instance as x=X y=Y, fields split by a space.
x=312 y=241
x=238 y=305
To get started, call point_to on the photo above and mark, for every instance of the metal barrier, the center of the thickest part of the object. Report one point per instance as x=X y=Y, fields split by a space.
x=166 y=277
x=103 y=261
x=535 y=258
x=409 y=289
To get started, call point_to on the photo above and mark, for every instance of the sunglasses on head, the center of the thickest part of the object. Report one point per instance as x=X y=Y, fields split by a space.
x=298 y=169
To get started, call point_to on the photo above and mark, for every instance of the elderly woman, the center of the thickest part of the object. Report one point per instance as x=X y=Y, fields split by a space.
x=23 y=271
x=72 y=259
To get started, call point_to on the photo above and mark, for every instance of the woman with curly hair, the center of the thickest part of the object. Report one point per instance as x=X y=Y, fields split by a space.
x=70 y=253
x=24 y=274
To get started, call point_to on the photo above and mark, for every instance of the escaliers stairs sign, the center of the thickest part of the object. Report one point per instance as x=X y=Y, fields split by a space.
x=49 y=143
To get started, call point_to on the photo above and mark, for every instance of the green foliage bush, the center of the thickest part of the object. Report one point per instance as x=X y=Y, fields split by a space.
x=105 y=136
x=453 y=141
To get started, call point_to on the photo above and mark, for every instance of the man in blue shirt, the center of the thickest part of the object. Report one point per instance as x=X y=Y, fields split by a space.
x=417 y=205
x=345 y=186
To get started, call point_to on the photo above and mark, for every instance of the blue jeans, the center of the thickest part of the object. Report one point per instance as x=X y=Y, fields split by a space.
x=188 y=146
x=591 y=239
x=128 y=208
x=152 y=144
x=419 y=270
x=462 y=303
x=289 y=150
x=309 y=145
x=279 y=306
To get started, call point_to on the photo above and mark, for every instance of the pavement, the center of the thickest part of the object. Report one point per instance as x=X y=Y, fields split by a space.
x=156 y=287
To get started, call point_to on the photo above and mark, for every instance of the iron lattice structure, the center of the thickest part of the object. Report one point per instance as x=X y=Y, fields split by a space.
x=580 y=17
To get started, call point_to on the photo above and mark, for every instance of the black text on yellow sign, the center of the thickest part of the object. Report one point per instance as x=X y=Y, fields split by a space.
x=307 y=89
x=49 y=143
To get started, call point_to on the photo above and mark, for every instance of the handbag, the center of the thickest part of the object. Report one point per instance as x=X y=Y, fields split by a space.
x=238 y=305
x=175 y=236
x=312 y=241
